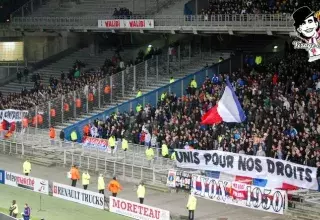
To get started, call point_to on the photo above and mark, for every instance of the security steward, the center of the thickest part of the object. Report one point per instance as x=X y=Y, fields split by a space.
x=193 y=86
x=149 y=154
x=141 y=192
x=192 y=205
x=74 y=136
x=75 y=176
x=164 y=150
x=139 y=94
x=112 y=142
x=85 y=180
x=124 y=144
x=26 y=167
x=101 y=184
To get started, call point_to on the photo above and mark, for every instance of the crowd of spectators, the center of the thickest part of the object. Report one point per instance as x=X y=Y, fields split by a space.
x=256 y=7
x=77 y=77
x=122 y=12
x=281 y=100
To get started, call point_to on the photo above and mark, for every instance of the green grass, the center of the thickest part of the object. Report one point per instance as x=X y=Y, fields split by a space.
x=51 y=208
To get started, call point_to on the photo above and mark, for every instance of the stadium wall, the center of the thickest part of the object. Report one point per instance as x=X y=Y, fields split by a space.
x=178 y=87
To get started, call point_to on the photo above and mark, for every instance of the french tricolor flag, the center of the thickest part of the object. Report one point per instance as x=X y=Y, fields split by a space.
x=228 y=109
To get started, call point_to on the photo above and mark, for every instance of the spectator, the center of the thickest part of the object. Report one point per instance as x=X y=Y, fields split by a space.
x=217 y=7
x=62 y=135
x=26 y=74
x=318 y=175
x=123 y=13
x=19 y=76
x=261 y=152
x=52 y=134
x=57 y=87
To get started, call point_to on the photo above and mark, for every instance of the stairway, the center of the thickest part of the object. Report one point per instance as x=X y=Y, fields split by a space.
x=55 y=69
x=190 y=67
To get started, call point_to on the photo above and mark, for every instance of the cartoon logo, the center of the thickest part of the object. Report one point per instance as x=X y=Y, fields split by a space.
x=306 y=23
x=42 y=186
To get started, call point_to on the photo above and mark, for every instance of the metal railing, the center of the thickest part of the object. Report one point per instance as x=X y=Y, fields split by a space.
x=135 y=154
x=124 y=84
x=179 y=88
x=236 y=20
x=131 y=164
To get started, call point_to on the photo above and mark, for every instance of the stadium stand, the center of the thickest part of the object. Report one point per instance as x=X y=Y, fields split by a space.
x=129 y=89
x=64 y=8
x=54 y=70
x=281 y=105
x=255 y=7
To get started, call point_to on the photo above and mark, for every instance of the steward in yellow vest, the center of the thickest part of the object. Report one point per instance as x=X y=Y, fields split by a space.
x=192 y=205
x=141 y=192
x=26 y=167
x=85 y=180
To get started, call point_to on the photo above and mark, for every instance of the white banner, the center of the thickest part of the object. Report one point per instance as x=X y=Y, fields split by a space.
x=81 y=196
x=27 y=182
x=239 y=194
x=126 y=24
x=279 y=171
x=12 y=115
x=136 y=210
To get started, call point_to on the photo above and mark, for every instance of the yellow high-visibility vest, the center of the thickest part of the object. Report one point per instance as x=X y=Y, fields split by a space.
x=26 y=167
x=139 y=94
x=124 y=144
x=74 y=136
x=85 y=179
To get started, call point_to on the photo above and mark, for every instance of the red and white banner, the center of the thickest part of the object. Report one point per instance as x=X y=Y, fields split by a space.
x=27 y=182
x=137 y=211
x=126 y=24
x=101 y=144
x=239 y=194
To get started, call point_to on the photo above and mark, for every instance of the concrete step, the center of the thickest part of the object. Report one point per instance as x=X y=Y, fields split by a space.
x=42 y=162
x=159 y=188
